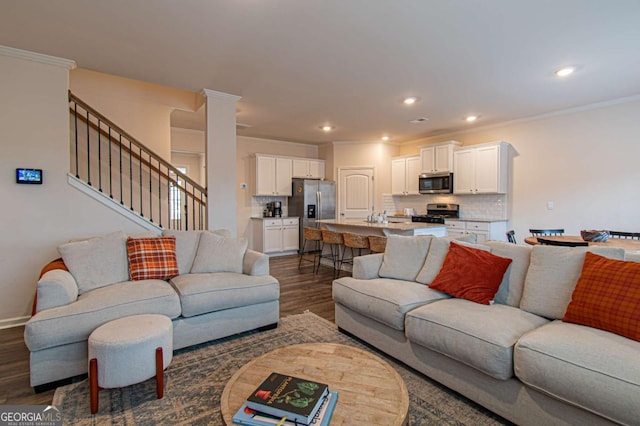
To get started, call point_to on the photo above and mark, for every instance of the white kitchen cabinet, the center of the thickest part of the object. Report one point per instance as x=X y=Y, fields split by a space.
x=276 y=236
x=484 y=230
x=308 y=168
x=404 y=175
x=272 y=175
x=482 y=169
x=437 y=158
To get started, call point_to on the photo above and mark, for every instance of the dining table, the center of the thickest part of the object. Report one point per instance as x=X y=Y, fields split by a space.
x=628 y=245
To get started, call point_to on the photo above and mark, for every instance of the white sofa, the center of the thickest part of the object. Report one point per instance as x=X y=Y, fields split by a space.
x=221 y=289
x=516 y=356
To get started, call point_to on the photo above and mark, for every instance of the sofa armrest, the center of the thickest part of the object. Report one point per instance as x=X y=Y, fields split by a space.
x=367 y=267
x=255 y=263
x=56 y=288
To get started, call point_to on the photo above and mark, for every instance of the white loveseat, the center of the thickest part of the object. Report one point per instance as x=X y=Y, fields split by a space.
x=516 y=356
x=221 y=289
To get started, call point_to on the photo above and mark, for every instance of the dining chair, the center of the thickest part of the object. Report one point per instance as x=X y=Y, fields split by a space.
x=537 y=232
x=625 y=235
x=511 y=236
x=546 y=242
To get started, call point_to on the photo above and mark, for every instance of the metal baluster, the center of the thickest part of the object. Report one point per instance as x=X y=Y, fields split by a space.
x=193 y=206
x=110 y=166
x=99 y=158
x=121 y=170
x=159 y=194
x=140 y=195
x=88 y=152
x=151 y=189
x=75 y=120
x=169 y=199
x=186 y=208
x=130 y=177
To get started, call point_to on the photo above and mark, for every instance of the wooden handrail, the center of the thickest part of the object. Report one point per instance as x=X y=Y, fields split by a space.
x=114 y=140
x=135 y=142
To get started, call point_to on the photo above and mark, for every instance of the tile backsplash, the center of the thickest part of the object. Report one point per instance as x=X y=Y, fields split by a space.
x=259 y=203
x=482 y=206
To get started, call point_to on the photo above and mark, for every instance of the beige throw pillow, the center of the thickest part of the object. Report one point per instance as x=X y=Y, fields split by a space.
x=97 y=262
x=404 y=256
x=219 y=254
x=552 y=277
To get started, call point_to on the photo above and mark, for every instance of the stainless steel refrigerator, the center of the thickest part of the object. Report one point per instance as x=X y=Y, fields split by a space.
x=312 y=200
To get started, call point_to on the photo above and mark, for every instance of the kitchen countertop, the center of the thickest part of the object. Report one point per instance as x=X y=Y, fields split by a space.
x=361 y=226
x=268 y=218
x=470 y=219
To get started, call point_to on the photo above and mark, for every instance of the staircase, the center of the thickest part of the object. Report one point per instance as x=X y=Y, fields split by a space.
x=125 y=175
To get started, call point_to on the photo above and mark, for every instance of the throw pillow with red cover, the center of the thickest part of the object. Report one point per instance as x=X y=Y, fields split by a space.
x=607 y=296
x=152 y=258
x=470 y=273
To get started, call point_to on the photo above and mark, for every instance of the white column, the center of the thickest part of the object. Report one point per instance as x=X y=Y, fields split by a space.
x=221 y=160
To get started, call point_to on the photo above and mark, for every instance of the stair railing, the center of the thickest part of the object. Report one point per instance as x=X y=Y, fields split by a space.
x=115 y=163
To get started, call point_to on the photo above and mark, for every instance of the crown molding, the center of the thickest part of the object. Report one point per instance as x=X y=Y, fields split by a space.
x=207 y=93
x=37 y=57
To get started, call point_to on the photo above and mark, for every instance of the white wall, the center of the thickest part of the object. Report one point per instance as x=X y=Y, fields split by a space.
x=34 y=220
x=585 y=161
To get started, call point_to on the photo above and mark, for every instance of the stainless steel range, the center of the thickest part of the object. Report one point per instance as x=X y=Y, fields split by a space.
x=437 y=213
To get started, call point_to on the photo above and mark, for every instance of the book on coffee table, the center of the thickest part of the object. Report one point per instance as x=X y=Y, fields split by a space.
x=248 y=417
x=287 y=396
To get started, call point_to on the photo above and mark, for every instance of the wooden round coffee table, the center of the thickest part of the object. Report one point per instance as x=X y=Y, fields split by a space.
x=370 y=391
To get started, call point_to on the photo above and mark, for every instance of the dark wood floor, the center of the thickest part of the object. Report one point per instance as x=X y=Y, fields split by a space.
x=300 y=290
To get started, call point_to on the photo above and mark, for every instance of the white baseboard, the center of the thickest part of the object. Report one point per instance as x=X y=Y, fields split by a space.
x=13 y=322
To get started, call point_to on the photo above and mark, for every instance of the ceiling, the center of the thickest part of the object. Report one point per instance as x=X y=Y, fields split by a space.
x=300 y=64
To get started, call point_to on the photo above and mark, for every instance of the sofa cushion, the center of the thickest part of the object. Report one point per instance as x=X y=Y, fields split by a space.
x=435 y=258
x=481 y=336
x=593 y=369
x=607 y=296
x=383 y=299
x=510 y=290
x=219 y=254
x=152 y=258
x=97 y=262
x=471 y=274
x=210 y=292
x=74 y=322
x=404 y=256
x=552 y=276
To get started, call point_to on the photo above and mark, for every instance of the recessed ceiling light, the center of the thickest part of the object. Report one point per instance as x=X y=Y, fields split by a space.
x=327 y=128
x=410 y=100
x=419 y=120
x=471 y=118
x=385 y=138
x=563 y=72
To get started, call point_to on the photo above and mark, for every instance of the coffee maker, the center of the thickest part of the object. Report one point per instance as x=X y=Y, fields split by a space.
x=274 y=209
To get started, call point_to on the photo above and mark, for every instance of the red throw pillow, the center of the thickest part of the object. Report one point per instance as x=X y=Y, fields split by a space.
x=607 y=296
x=470 y=273
x=152 y=258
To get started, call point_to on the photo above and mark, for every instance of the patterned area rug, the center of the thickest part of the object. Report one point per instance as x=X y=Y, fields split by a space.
x=197 y=375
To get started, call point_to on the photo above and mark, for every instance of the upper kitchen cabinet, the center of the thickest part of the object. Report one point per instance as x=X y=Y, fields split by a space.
x=404 y=175
x=437 y=158
x=308 y=168
x=481 y=169
x=272 y=175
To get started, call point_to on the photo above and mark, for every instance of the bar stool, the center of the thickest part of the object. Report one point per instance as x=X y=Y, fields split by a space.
x=334 y=240
x=311 y=235
x=353 y=241
x=377 y=243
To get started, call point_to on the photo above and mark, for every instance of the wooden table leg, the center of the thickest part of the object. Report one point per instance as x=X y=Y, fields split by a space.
x=159 y=373
x=93 y=385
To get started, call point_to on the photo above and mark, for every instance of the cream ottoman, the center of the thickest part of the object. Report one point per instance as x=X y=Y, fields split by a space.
x=129 y=350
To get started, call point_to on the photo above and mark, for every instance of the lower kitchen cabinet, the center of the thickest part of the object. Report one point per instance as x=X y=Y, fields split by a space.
x=275 y=236
x=485 y=230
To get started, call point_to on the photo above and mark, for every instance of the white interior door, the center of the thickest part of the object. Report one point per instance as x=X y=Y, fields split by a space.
x=355 y=192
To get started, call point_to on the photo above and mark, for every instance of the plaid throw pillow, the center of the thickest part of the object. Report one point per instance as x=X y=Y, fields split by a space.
x=607 y=296
x=152 y=258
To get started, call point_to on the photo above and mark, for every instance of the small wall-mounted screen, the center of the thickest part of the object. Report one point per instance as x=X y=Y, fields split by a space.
x=32 y=176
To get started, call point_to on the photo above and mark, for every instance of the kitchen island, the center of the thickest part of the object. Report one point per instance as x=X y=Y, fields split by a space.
x=361 y=226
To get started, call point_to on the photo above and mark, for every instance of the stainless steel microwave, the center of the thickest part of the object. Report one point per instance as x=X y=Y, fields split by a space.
x=435 y=183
